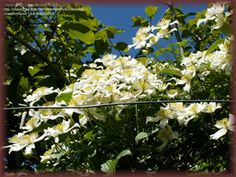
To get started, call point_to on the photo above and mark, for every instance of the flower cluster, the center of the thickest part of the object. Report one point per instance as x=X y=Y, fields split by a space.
x=224 y=125
x=115 y=79
x=217 y=14
x=148 y=36
x=111 y=79
x=203 y=63
x=182 y=112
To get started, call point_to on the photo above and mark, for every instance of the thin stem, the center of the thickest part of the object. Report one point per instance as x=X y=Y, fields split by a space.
x=68 y=71
x=177 y=33
x=33 y=37
x=136 y=116
x=165 y=54
x=150 y=54
x=171 y=44
x=115 y=48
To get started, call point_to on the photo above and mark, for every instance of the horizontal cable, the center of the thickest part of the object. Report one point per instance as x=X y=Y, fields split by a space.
x=117 y=103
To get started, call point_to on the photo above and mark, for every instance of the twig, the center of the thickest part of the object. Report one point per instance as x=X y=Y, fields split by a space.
x=33 y=37
x=177 y=34
x=45 y=59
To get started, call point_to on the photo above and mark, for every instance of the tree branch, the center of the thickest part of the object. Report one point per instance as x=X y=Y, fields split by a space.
x=33 y=37
x=177 y=34
x=56 y=70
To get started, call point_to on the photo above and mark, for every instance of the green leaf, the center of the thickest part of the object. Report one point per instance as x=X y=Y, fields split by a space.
x=33 y=70
x=87 y=37
x=123 y=153
x=121 y=46
x=24 y=83
x=89 y=135
x=139 y=21
x=109 y=166
x=171 y=71
x=179 y=44
x=151 y=11
x=64 y=97
x=112 y=30
x=226 y=29
x=145 y=61
x=102 y=34
x=162 y=51
x=91 y=50
x=140 y=136
x=214 y=45
x=101 y=46
x=45 y=28
x=92 y=24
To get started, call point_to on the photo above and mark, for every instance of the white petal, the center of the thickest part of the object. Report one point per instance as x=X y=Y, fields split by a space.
x=200 y=21
x=218 y=134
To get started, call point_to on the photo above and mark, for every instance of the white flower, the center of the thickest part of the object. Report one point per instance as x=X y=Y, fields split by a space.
x=223 y=125
x=216 y=13
x=21 y=48
x=153 y=40
x=54 y=152
x=195 y=108
x=43 y=115
x=165 y=135
x=22 y=140
x=163 y=28
x=31 y=124
x=61 y=128
x=211 y=107
x=164 y=114
x=165 y=23
x=142 y=36
x=187 y=75
x=39 y=93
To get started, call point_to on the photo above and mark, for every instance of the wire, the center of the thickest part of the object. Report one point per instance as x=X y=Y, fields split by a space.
x=115 y=104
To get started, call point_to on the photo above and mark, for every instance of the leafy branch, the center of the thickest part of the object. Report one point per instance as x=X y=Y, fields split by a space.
x=177 y=33
x=54 y=67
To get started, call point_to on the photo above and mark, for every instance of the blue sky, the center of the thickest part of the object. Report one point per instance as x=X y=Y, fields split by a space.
x=119 y=15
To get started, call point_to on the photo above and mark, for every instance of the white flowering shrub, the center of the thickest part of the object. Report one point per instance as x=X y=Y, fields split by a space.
x=72 y=136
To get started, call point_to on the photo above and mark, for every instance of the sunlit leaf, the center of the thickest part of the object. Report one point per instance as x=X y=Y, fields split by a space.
x=123 y=153
x=33 y=70
x=64 y=97
x=139 y=21
x=215 y=45
x=140 y=136
x=87 y=37
x=109 y=166
x=151 y=11
x=171 y=71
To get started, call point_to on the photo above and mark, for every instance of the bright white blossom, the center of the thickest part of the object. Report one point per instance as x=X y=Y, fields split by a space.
x=142 y=37
x=22 y=140
x=148 y=36
x=182 y=113
x=163 y=28
x=60 y=128
x=54 y=152
x=224 y=125
x=21 y=48
x=39 y=93
x=217 y=13
x=187 y=75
